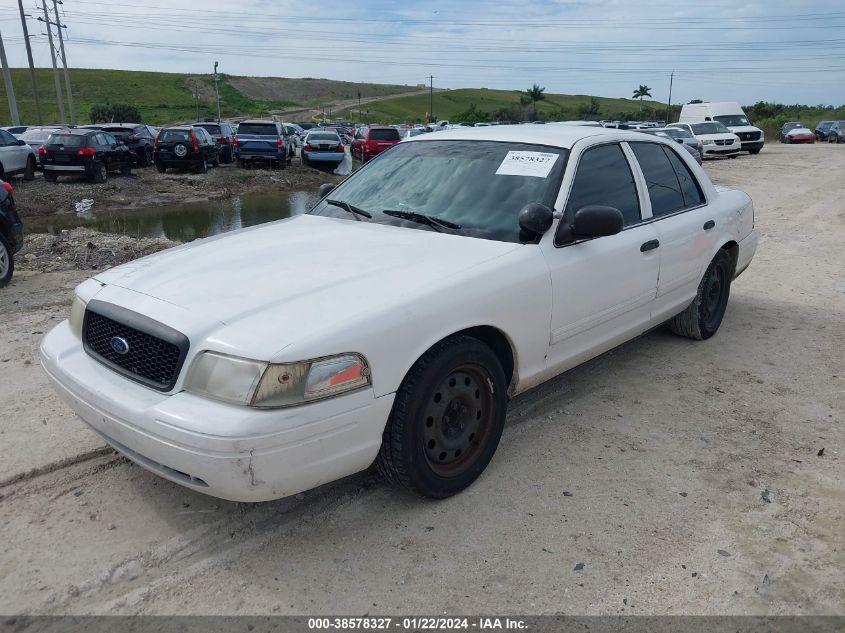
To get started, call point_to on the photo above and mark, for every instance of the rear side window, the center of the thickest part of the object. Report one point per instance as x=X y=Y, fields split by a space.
x=68 y=140
x=689 y=184
x=664 y=188
x=6 y=138
x=259 y=129
x=604 y=178
x=384 y=135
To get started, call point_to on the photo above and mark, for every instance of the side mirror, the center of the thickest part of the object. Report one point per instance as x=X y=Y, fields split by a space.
x=535 y=219
x=325 y=189
x=20 y=142
x=597 y=221
x=680 y=140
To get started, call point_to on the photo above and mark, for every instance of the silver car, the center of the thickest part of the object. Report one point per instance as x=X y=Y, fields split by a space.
x=16 y=157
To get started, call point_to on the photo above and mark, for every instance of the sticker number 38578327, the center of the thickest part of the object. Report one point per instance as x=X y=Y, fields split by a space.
x=537 y=164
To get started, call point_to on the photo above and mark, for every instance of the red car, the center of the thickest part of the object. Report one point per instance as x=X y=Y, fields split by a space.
x=369 y=142
x=800 y=135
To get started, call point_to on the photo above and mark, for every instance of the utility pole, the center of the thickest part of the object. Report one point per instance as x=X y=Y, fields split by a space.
x=431 y=99
x=216 y=92
x=669 y=113
x=46 y=21
x=10 y=89
x=359 y=104
x=31 y=64
x=59 y=27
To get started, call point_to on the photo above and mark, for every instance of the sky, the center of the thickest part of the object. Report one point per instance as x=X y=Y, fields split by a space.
x=720 y=50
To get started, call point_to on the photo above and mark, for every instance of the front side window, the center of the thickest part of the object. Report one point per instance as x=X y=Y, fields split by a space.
x=604 y=178
x=478 y=186
x=6 y=138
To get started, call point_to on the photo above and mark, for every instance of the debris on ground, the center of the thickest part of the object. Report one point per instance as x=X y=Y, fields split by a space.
x=723 y=552
x=85 y=249
x=765 y=496
x=579 y=566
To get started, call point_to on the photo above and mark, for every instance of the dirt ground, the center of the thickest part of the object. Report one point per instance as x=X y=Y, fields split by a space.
x=633 y=484
x=146 y=187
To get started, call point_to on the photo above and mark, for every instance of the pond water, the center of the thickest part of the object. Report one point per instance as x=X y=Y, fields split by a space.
x=185 y=222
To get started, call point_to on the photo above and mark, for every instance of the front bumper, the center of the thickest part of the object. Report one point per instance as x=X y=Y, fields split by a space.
x=708 y=151
x=747 y=146
x=226 y=451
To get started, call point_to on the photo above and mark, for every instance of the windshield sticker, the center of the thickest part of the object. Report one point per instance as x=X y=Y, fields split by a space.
x=537 y=164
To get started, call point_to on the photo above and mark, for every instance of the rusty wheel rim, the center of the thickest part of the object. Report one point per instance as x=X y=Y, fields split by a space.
x=457 y=420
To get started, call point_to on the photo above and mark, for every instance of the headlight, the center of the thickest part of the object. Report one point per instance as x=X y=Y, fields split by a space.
x=265 y=385
x=77 y=315
x=708 y=142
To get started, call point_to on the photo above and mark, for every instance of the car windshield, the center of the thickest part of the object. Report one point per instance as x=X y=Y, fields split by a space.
x=790 y=126
x=68 y=140
x=732 y=119
x=323 y=136
x=824 y=125
x=479 y=185
x=675 y=132
x=384 y=135
x=168 y=136
x=713 y=127
x=213 y=129
x=116 y=130
x=259 y=129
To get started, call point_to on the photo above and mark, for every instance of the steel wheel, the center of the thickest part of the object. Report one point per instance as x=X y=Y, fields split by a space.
x=714 y=297
x=458 y=419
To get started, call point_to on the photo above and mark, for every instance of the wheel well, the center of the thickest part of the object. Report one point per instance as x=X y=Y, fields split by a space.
x=498 y=342
x=732 y=249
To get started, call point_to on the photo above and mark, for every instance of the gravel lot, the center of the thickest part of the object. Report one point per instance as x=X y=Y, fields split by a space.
x=647 y=465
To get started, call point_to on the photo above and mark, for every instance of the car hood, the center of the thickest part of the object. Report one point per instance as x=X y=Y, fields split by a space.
x=743 y=128
x=308 y=264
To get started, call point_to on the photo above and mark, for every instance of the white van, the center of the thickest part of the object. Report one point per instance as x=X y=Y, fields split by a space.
x=730 y=114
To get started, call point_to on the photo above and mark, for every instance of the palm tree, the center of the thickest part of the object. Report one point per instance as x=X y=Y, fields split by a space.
x=532 y=96
x=639 y=93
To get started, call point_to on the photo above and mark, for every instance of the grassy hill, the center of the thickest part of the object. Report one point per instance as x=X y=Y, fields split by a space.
x=449 y=104
x=169 y=97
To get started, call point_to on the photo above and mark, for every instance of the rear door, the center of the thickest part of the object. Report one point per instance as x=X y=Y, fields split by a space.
x=684 y=222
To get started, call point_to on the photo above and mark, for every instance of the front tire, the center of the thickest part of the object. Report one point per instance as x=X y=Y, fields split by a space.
x=447 y=419
x=126 y=170
x=7 y=262
x=704 y=315
x=202 y=166
x=147 y=158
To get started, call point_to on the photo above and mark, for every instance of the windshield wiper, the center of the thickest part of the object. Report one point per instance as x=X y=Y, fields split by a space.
x=351 y=208
x=421 y=218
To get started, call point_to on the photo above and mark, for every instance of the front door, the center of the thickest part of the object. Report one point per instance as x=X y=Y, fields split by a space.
x=602 y=288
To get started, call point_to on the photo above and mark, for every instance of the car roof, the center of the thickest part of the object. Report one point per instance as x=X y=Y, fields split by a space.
x=78 y=132
x=563 y=136
x=263 y=121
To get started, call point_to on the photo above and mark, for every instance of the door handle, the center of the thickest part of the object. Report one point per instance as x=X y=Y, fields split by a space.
x=649 y=246
x=709 y=225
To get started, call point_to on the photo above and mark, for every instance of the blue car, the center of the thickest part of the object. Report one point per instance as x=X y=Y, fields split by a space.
x=263 y=142
x=323 y=147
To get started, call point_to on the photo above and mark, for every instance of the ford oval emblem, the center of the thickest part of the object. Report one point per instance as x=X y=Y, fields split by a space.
x=119 y=345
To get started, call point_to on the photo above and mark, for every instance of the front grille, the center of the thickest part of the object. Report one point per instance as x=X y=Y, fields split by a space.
x=722 y=142
x=153 y=354
x=750 y=136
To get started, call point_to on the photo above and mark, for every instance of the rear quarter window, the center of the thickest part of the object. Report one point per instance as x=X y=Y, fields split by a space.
x=384 y=135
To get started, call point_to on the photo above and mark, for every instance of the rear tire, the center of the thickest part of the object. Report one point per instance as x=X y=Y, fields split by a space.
x=704 y=315
x=202 y=166
x=126 y=170
x=447 y=419
x=7 y=262
x=161 y=168
x=100 y=174
x=147 y=158
x=29 y=172
x=50 y=176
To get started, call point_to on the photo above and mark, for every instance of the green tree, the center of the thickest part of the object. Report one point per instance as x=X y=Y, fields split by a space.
x=642 y=91
x=589 y=109
x=473 y=115
x=534 y=94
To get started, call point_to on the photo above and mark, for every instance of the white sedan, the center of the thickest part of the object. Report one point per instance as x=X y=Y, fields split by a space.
x=393 y=322
x=716 y=139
